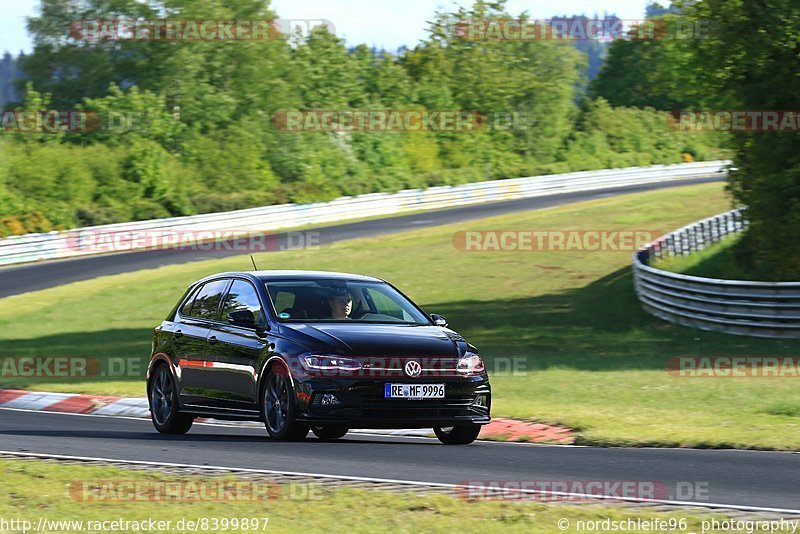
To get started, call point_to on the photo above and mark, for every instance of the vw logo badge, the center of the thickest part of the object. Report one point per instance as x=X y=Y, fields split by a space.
x=413 y=369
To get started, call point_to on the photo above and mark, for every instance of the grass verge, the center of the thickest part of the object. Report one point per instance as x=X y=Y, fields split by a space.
x=586 y=356
x=717 y=261
x=39 y=489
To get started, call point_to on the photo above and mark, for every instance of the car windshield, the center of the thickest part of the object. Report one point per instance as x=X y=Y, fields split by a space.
x=342 y=300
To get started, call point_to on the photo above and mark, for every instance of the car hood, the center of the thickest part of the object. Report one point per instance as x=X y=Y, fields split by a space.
x=369 y=340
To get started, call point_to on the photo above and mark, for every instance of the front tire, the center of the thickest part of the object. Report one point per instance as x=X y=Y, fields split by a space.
x=278 y=408
x=458 y=435
x=163 y=397
x=327 y=433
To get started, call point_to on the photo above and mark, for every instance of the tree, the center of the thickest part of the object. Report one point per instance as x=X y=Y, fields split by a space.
x=205 y=134
x=653 y=72
x=9 y=73
x=752 y=62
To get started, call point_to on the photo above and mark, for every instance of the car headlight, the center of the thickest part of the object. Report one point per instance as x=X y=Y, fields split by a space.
x=330 y=363
x=470 y=363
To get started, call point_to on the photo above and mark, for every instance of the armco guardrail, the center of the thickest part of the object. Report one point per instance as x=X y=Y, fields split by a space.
x=763 y=309
x=56 y=245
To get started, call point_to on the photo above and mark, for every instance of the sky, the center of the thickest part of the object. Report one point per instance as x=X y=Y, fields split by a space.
x=383 y=23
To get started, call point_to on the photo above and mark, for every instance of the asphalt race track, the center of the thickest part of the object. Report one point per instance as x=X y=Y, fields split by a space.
x=729 y=477
x=747 y=479
x=35 y=276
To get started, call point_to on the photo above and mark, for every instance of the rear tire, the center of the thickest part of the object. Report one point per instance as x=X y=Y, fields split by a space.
x=458 y=435
x=278 y=408
x=163 y=397
x=327 y=433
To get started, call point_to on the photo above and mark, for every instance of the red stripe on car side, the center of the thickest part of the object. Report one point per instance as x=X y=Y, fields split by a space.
x=195 y=363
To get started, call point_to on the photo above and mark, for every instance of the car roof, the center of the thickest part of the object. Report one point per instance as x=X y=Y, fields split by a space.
x=295 y=275
x=278 y=275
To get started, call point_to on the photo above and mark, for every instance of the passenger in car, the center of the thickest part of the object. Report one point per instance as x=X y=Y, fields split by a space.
x=341 y=303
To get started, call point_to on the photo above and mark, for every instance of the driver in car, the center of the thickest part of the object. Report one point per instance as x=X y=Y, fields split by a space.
x=341 y=304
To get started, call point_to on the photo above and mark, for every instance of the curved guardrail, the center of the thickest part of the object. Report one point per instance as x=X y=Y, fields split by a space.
x=56 y=245
x=762 y=309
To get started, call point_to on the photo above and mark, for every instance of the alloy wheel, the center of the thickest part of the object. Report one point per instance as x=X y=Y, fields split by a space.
x=162 y=397
x=276 y=403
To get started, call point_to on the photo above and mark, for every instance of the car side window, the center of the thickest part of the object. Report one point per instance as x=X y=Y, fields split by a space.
x=186 y=308
x=206 y=304
x=242 y=296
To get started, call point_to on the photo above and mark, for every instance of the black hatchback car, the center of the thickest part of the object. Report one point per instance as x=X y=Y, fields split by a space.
x=319 y=351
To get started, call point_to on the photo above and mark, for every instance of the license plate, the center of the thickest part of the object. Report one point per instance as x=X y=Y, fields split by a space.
x=414 y=391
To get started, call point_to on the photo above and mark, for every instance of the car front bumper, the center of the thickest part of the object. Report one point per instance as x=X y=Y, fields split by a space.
x=361 y=403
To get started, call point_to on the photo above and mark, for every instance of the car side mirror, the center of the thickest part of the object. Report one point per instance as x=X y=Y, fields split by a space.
x=438 y=320
x=244 y=318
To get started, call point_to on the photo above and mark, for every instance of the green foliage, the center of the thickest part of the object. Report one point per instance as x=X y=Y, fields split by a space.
x=187 y=127
x=748 y=59
x=9 y=71
x=753 y=63
x=625 y=137
x=659 y=73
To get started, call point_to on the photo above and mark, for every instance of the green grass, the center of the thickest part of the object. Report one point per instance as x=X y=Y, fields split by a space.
x=717 y=261
x=40 y=489
x=592 y=359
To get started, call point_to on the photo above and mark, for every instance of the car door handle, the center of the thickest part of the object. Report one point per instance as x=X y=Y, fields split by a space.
x=177 y=333
x=212 y=340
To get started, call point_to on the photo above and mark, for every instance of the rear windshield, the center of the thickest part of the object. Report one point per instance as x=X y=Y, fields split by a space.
x=342 y=300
